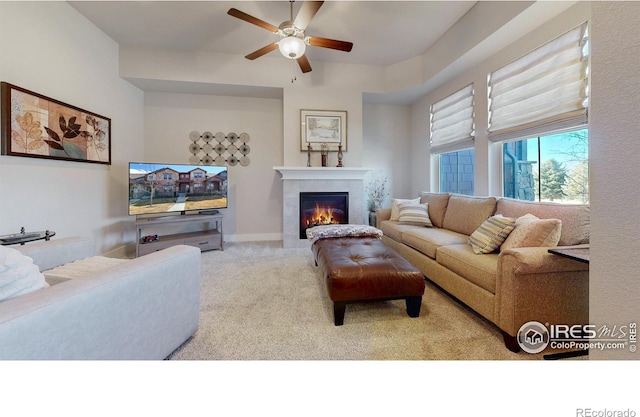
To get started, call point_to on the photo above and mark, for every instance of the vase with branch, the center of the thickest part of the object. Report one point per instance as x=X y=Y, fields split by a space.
x=377 y=191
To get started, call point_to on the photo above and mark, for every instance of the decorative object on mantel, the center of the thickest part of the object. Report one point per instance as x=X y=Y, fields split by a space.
x=339 y=157
x=376 y=188
x=309 y=149
x=213 y=148
x=324 y=152
x=41 y=127
x=323 y=126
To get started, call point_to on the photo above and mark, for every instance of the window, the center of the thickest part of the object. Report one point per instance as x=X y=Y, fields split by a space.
x=543 y=97
x=452 y=128
x=167 y=176
x=456 y=172
x=548 y=168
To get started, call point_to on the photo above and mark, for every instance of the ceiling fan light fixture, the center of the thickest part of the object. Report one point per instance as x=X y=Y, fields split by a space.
x=292 y=47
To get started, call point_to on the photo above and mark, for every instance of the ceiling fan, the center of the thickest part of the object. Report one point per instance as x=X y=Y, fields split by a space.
x=293 y=41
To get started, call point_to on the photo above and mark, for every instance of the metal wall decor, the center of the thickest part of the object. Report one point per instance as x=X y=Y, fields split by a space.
x=219 y=149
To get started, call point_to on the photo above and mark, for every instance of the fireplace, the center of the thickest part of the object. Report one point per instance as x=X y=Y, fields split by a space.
x=296 y=180
x=322 y=208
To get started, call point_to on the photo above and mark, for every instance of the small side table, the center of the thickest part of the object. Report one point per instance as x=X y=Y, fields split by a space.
x=580 y=253
x=25 y=237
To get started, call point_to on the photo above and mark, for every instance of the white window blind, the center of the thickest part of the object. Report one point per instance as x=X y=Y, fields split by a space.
x=543 y=92
x=452 y=124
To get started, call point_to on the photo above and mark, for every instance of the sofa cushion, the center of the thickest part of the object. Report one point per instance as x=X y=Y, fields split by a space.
x=574 y=217
x=465 y=214
x=531 y=231
x=416 y=214
x=428 y=240
x=491 y=234
x=437 y=206
x=80 y=268
x=480 y=270
x=395 y=209
x=18 y=274
x=394 y=230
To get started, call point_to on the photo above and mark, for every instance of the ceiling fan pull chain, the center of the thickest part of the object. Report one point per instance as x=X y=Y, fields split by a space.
x=294 y=79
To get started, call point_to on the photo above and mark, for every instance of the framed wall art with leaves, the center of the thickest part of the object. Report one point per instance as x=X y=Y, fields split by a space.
x=41 y=127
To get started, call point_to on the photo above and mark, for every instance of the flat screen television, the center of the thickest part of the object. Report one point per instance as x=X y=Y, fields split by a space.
x=156 y=188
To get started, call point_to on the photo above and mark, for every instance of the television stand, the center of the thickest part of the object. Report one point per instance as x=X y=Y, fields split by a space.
x=209 y=238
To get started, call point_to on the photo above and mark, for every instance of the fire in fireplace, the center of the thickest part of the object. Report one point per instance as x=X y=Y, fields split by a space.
x=322 y=208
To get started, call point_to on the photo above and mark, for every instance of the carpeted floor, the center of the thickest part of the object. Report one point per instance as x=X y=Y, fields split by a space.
x=262 y=302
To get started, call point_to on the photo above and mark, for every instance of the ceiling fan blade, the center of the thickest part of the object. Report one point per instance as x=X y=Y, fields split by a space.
x=304 y=64
x=253 y=20
x=306 y=13
x=262 y=51
x=330 y=43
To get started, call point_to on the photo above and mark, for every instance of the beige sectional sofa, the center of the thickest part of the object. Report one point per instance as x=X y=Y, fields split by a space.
x=520 y=281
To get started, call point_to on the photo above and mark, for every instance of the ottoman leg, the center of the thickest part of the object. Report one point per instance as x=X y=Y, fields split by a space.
x=413 y=306
x=338 y=312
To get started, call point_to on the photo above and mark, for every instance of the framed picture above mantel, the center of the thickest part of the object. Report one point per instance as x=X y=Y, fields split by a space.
x=318 y=127
x=41 y=127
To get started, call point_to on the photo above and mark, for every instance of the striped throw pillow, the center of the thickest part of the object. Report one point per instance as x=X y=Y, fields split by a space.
x=395 y=206
x=491 y=233
x=414 y=214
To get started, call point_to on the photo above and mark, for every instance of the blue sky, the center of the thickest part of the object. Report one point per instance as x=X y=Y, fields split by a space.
x=554 y=146
x=137 y=167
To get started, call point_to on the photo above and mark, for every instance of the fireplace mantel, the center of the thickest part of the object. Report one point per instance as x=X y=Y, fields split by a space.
x=322 y=173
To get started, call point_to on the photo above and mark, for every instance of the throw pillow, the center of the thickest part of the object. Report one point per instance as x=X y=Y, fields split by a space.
x=531 y=231
x=18 y=274
x=414 y=214
x=395 y=213
x=491 y=234
x=466 y=213
x=437 y=206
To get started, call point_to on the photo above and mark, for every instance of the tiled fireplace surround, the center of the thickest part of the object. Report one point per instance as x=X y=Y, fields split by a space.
x=317 y=179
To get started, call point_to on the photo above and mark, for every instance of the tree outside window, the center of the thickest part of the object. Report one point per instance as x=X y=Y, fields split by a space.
x=548 y=168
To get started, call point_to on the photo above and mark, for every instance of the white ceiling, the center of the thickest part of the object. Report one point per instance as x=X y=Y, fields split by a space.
x=383 y=32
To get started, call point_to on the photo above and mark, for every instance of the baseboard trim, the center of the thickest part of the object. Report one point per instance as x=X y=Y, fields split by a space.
x=254 y=237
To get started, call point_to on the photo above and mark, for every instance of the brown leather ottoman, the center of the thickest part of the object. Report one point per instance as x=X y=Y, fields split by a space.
x=360 y=269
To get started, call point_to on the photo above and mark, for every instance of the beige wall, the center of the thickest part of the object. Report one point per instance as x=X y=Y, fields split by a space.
x=614 y=170
x=67 y=58
x=387 y=129
x=255 y=191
